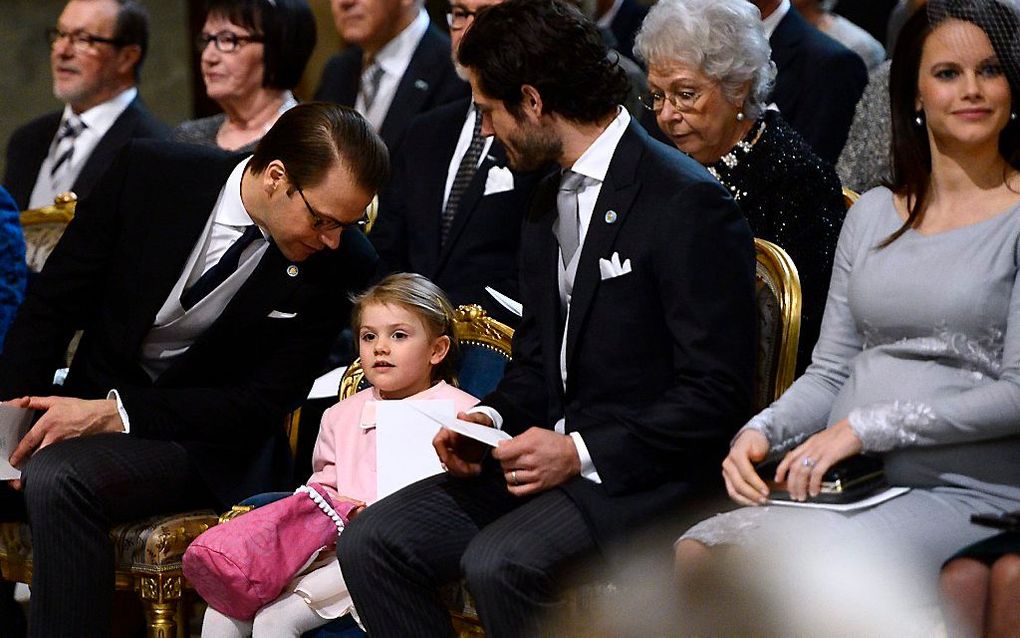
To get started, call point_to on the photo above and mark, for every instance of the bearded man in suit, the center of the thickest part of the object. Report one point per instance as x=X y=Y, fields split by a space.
x=96 y=54
x=209 y=287
x=632 y=366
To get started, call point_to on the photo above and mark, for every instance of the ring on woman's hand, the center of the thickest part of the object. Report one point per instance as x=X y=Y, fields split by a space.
x=807 y=461
x=513 y=477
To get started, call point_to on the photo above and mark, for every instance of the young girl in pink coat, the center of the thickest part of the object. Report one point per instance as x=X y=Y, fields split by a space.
x=404 y=328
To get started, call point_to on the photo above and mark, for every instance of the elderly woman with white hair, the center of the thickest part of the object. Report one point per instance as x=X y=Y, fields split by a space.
x=709 y=74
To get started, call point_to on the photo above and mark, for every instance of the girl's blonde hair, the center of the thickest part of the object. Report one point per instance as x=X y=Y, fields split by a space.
x=426 y=300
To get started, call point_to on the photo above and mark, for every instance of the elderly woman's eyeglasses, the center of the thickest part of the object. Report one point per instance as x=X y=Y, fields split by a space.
x=82 y=41
x=682 y=101
x=327 y=224
x=458 y=18
x=225 y=41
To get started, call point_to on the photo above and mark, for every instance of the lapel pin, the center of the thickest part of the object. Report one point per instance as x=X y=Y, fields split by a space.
x=610 y=216
x=292 y=270
x=421 y=85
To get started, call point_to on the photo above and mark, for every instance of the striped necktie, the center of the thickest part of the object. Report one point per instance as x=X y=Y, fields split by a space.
x=69 y=132
x=465 y=172
x=370 y=84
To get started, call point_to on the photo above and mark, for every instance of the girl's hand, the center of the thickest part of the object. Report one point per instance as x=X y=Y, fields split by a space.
x=742 y=481
x=803 y=467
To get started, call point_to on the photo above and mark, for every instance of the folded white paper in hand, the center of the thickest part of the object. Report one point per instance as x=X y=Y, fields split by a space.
x=14 y=423
x=485 y=434
x=513 y=306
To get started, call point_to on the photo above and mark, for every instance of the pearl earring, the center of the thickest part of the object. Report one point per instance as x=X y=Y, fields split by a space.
x=1012 y=116
x=917 y=120
x=741 y=116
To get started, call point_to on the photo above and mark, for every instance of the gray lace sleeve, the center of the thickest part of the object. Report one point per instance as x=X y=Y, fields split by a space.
x=884 y=426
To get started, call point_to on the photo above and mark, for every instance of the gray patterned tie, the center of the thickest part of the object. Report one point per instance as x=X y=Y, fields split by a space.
x=568 y=227
x=370 y=79
x=465 y=172
x=69 y=132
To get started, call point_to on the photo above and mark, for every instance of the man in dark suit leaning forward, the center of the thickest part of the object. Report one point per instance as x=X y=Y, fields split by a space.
x=632 y=366
x=209 y=288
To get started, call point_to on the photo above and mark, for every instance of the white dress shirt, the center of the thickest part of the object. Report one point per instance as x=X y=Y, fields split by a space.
x=463 y=142
x=770 y=23
x=593 y=164
x=394 y=58
x=98 y=121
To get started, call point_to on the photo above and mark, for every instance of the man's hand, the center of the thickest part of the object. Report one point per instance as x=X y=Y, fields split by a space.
x=537 y=460
x=64 y=418
x=461 y=456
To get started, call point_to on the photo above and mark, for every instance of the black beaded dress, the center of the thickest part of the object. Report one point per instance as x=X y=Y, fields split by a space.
x=792 y=198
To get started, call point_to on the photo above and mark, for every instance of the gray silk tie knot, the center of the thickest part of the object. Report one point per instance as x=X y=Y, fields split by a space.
x=568 y=228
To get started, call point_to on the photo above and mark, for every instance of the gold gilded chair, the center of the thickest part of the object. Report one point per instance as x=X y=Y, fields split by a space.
x=44 y=226
x=147 y=561
x=778 y=295
x=850 y=197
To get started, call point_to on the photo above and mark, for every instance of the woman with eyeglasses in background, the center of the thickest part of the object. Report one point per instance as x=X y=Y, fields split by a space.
x=710 y=72
x=253 y=54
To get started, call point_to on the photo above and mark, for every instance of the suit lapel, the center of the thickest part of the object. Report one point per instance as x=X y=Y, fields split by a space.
x=415 y=86
x=175 y=227
x=116 y=138
x=617 y=195
x=350 y=77
x=443 y=144
x=469 y=201
x=786 y=38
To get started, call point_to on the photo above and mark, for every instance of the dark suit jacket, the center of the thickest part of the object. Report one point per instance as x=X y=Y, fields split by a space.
x=660 y=360
x=224 y=399
x=428 y=82
x=482 y=249
x=29 y=145
x=625 y=25
x=818 y=84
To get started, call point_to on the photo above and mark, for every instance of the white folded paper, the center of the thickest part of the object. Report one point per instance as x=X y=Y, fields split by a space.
x=403 y=445
x=515 y=307
x=483 y=433
x=871 y=501
x=14 y=423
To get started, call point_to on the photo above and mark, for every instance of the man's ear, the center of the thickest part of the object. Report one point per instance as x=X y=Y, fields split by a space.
x=531 y=101
x=127 y=58
x=440 y=347
x=273 y=177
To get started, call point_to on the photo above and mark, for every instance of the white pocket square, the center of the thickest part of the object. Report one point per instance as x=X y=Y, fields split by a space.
x=612 y=267
x=499 y=180
x=276 y=314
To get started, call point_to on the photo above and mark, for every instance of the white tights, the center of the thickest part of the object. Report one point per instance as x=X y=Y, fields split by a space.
x=288 y=615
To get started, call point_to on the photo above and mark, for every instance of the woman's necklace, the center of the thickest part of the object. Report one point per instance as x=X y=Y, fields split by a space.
x=723 y=168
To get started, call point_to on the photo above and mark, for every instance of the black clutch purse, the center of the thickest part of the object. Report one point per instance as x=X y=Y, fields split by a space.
x=852 y=479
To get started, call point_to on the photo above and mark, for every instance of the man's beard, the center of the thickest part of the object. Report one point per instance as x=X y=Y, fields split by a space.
x=531 y=148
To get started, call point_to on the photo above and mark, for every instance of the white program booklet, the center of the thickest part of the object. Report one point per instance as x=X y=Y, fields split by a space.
x=871 y=501
x=403 y=443
x=14 y=423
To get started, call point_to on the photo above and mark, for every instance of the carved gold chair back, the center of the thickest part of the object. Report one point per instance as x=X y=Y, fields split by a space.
x=777 y=289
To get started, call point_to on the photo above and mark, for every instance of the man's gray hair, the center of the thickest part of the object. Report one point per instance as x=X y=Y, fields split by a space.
x=724 y=39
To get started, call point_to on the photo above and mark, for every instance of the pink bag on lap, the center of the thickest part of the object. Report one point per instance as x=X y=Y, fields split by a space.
x=242 y=565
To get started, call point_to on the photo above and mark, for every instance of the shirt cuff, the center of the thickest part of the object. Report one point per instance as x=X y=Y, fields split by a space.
x=497 y=418
x=587 y=465
x=113 y=394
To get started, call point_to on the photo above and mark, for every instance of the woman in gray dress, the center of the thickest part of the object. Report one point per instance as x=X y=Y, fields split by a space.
x=919 y=355
x=253 y=53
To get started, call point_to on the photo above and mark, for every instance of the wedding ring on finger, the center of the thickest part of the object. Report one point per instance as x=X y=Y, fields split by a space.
x=807 y=461
x=513 y=477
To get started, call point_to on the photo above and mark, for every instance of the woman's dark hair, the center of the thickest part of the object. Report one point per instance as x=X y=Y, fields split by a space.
x=288 y=31
x=311 y=138
x=911 y=154
x=551 y=46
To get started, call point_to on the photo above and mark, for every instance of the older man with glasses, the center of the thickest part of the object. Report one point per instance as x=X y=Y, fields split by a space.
x=96 y=53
